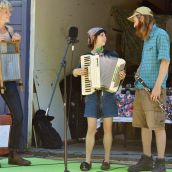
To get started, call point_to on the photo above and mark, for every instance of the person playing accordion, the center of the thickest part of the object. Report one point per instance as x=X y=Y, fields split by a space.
x=100 y=103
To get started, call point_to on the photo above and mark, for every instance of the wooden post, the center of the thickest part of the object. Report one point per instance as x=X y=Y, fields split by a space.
x=5 y=120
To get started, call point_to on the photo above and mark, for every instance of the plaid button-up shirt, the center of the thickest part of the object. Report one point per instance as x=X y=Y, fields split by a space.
x=155 y=48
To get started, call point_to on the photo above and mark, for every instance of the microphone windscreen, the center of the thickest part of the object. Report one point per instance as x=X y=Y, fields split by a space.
x=73 y=32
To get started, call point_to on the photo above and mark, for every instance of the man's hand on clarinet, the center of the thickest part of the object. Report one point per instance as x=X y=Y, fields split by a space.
x=156 y=92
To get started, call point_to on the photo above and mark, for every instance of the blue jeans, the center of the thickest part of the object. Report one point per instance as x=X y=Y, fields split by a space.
x=100 y=104
x=12 y=99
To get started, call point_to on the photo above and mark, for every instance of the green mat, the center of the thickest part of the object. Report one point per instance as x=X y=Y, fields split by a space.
x=47 y=165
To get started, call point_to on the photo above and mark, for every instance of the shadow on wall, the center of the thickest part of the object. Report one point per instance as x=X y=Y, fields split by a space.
x=75 y=107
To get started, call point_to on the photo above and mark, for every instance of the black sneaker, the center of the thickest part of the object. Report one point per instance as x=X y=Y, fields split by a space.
x=0 y=165
x=145 y=163
x=85 y=166
x=159 y=165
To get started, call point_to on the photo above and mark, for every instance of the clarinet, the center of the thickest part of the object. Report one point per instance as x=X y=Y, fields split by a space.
x=148 y=90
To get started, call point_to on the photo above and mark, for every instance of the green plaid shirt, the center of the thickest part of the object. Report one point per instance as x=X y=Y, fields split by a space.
x=155 y=48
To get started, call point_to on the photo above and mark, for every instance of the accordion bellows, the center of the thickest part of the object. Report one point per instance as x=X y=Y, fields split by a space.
x=9 y=62
x=103 y=73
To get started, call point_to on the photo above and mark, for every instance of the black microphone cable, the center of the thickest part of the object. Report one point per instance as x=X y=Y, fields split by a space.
x=73 y=33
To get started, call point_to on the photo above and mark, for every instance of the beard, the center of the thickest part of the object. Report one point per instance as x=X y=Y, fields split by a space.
x=142 y=30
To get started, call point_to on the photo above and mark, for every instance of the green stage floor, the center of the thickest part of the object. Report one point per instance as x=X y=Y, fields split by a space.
x=47 y=165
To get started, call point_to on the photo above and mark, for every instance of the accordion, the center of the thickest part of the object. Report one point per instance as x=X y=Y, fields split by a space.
x=103 y=73
x=9 y=63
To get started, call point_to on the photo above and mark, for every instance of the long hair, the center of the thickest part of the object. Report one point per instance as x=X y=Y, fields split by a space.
x=144 y=27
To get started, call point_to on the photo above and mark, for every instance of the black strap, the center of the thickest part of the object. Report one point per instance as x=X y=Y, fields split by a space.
x=99 y=103
x=144 y=84
x=8 y=32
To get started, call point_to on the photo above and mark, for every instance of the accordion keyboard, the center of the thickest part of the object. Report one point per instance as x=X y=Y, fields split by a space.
x=85 y=80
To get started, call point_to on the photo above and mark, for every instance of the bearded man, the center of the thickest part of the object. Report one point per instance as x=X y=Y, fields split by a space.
x=153 y=70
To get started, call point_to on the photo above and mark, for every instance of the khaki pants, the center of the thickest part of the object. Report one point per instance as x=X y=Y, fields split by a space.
x=148 y=114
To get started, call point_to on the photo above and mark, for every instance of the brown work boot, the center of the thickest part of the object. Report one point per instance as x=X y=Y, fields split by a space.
x=159 y=165
x=145 y=163
x=15 y=159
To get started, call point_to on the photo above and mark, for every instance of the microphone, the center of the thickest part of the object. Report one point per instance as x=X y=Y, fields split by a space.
x=73 y=33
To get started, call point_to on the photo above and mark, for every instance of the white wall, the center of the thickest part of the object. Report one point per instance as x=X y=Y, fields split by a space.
x=53 y=18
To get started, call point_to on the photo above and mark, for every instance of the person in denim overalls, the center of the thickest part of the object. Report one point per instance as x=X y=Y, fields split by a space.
x=98 y=104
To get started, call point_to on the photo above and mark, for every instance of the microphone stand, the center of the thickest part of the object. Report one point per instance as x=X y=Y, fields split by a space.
x=65 y=118
x=63 y=66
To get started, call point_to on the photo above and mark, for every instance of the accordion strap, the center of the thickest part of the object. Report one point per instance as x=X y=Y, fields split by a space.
x=99 y=102
x=8 y=32
x=2 y=88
